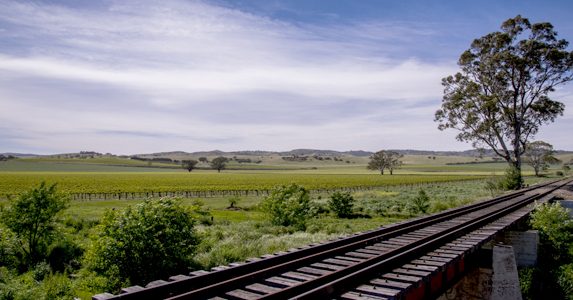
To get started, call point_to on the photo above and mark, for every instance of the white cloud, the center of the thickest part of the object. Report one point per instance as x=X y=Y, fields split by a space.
x=138 y=76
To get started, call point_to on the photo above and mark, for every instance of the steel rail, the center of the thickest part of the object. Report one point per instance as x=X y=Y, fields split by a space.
x=333 y=283
x=238 y=281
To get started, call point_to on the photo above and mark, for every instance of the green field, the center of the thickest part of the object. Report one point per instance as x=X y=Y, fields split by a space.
x=78 y=182
x=109 y=174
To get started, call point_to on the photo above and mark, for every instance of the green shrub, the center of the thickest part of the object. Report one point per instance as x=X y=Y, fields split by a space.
x=65 y=254
x=233 y=201
x=559 y=173
x=289 y=205
x=341 y=204
x=554 y=277
x=150 y=241
x=555 y=228
x=9 y=250
x=41 y=271
x=526 y=281
x=493 y=185
x=565 y=280
x=32 y=218
x=512 y=179
x=420 y=203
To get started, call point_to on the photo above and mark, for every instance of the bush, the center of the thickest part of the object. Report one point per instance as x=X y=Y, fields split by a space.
x=65 y=254
x=233 y=201
x=420 y=203
x=512 y=179
x=32 y=218
x=150 y=241
x=289 y=206
x=565 y=280
x=555 y=228
x=341 y=204
x=8 y=249
x=553 y=278
x=559 y=173
x=493 y=185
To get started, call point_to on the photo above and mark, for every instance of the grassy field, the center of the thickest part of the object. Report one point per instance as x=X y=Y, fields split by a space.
x=16 y=182
x=235 y=234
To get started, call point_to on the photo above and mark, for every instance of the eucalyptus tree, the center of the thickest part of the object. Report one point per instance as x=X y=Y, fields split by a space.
x=500 y=98
x=383 y=160
x=539 y=155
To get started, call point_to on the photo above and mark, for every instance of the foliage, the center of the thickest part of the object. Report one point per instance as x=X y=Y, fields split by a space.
x=554 y=277
x=65 y=255
x=219 y=163
x=420 y=203
x=526 y=276
x=8 y=248
x=149 y=241
x=493 y=185
x=341 y=204
x=501 y=96
x=289 y=205
x=539 y=155
x=565 y=280
x=189 y=165
x=512 y=179
x=32 y=218
x=555 y=228
x=382 y=160
x=233 y=201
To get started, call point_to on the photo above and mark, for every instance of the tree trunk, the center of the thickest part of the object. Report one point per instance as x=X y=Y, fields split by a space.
x=391 y=172
x=381 y=171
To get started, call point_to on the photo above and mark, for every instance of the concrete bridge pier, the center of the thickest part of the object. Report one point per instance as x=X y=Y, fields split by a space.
x=494 y=275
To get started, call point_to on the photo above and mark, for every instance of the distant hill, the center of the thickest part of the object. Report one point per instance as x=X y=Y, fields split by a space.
x=18 y=154
x=294 y=152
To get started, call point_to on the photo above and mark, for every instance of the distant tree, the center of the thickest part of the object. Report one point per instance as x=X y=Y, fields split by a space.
x=32 y=218
x=501 y=96
x=377 y=162
x=382 y=160
x=219 y=163
x=539 y=155
x=394 y=161
x=203 y=159
x=189 y=165
x=233 y=201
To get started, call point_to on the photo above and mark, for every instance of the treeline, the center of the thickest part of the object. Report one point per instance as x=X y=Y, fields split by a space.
x=6 y=157
x=301 y=158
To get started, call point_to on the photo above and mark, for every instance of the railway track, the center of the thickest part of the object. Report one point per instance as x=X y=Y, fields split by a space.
x=336 y=268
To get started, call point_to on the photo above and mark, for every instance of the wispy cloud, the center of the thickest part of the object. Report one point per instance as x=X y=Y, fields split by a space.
x=133 y=76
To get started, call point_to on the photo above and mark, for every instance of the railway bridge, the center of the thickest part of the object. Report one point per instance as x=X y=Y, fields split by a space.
x=423 y=258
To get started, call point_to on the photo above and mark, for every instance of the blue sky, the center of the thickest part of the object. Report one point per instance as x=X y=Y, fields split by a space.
x=148 y=76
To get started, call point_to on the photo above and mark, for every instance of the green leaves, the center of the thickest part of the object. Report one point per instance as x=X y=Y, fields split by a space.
x=341 y=203
x=289 y=205
x=420 y=203
x=500 y=97
x=150 y=241
x=555 y=227
x=384 y=159
x=32 y=219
